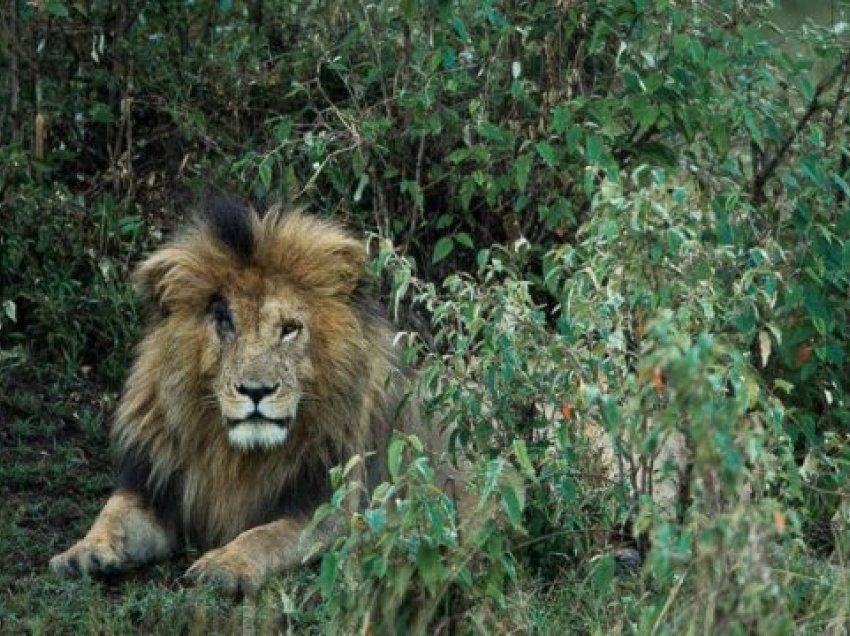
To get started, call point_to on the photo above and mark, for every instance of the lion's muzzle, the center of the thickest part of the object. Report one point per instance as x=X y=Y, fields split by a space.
x=259 y=414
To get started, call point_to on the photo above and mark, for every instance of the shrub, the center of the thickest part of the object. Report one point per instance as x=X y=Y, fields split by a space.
x=623 y=214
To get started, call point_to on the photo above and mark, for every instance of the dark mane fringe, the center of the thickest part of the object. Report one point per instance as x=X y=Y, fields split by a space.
x=135 y=474
x=230 y=220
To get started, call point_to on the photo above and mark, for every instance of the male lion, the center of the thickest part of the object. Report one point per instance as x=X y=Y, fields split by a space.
x=266 y=365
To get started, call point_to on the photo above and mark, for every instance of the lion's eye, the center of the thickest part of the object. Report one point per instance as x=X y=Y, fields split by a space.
x=221 y=315
x=289 y=330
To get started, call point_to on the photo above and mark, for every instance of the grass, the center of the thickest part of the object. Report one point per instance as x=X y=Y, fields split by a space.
x=55 y=474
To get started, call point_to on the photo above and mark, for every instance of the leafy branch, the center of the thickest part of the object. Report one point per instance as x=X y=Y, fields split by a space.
x=815 y=106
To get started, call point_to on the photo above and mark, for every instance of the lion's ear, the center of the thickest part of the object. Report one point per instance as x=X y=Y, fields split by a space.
x=173 y=275
x=149 y=277
x=350 y=267
x=352 y=263
x=315 y=254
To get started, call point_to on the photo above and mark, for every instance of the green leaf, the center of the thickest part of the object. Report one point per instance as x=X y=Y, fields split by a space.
x=283 y=129
x=430 y=565
x=101 y=113
x=57 y=8
x=394 y=451
x=407 y=8
x=593 y=149
x=546 y=152
x=523 y=459
x=513 y=499
x=443 y=248
x=376 y=519
x=464 y=239
x=807 y=90
x=561 y=118
x=841 y=183
x=467 y=189
x=491 y=477
x=383 y=492
x=413 y=189
x=720 y=139
x=327 y=574
x=335 y=474
x=602 y=574
x=482 y=258
x=435 y=516
x=11 y=310
x=460 y=29
x=458 y=156
x=265 y=171
x=375 y=566
x=522 y=168
x=753 y=127
x=812 y=167
x=423 y=469
x=493 y=133
x=362 y=182
x=130 y=226
x=610 y=411
x=443 y=221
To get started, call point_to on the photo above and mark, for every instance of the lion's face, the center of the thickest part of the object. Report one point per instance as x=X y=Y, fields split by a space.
x=257 y=324
x=263 y=363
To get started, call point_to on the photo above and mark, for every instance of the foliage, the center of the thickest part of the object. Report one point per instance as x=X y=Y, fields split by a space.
x=411 y=556
x=65 y=279
x=627 y=216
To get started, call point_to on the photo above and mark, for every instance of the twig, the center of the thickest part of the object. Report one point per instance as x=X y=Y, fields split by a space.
x=670 y=598
x=418 y=205
x=318 y=170
x=546 y=537
x=17 y=408
x=824 y=491
x=376 y=51
x=14 y=82
x=841 y=93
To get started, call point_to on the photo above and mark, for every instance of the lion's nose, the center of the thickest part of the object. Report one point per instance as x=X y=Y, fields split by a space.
x=256 y=390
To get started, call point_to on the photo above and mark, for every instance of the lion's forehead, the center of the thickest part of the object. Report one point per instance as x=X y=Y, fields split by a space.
x=265 y=312
x=254 y=349
x=258 y=353
x=286 y=305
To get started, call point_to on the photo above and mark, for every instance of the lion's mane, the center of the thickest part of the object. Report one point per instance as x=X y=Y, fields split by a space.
x=167 y=440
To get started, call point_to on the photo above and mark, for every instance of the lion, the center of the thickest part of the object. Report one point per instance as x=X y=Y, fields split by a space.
x=267 y=363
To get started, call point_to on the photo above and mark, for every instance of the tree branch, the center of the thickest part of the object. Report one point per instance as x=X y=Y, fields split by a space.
x=760 y=178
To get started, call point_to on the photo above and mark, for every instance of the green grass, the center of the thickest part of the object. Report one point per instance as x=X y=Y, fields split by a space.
x=54 y=476
x=815 y=599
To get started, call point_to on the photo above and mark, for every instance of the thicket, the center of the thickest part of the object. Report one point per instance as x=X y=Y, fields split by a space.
x=630 y=213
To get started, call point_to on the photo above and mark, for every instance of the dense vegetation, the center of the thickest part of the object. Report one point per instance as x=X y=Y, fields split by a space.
x=632 y=213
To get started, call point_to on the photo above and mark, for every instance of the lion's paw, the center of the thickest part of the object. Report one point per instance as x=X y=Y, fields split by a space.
x=228 y=570
x=87 y=557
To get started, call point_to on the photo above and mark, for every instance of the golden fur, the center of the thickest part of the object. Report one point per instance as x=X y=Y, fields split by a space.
x=265 y=366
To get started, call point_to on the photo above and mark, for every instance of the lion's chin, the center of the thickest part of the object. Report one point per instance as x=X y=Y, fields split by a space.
x=257 y=435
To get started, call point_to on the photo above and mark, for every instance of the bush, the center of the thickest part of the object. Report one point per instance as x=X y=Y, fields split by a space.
x=624 y=216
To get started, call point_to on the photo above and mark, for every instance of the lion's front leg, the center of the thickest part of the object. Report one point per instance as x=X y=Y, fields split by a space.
x=241 y=566
x=125 y=533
